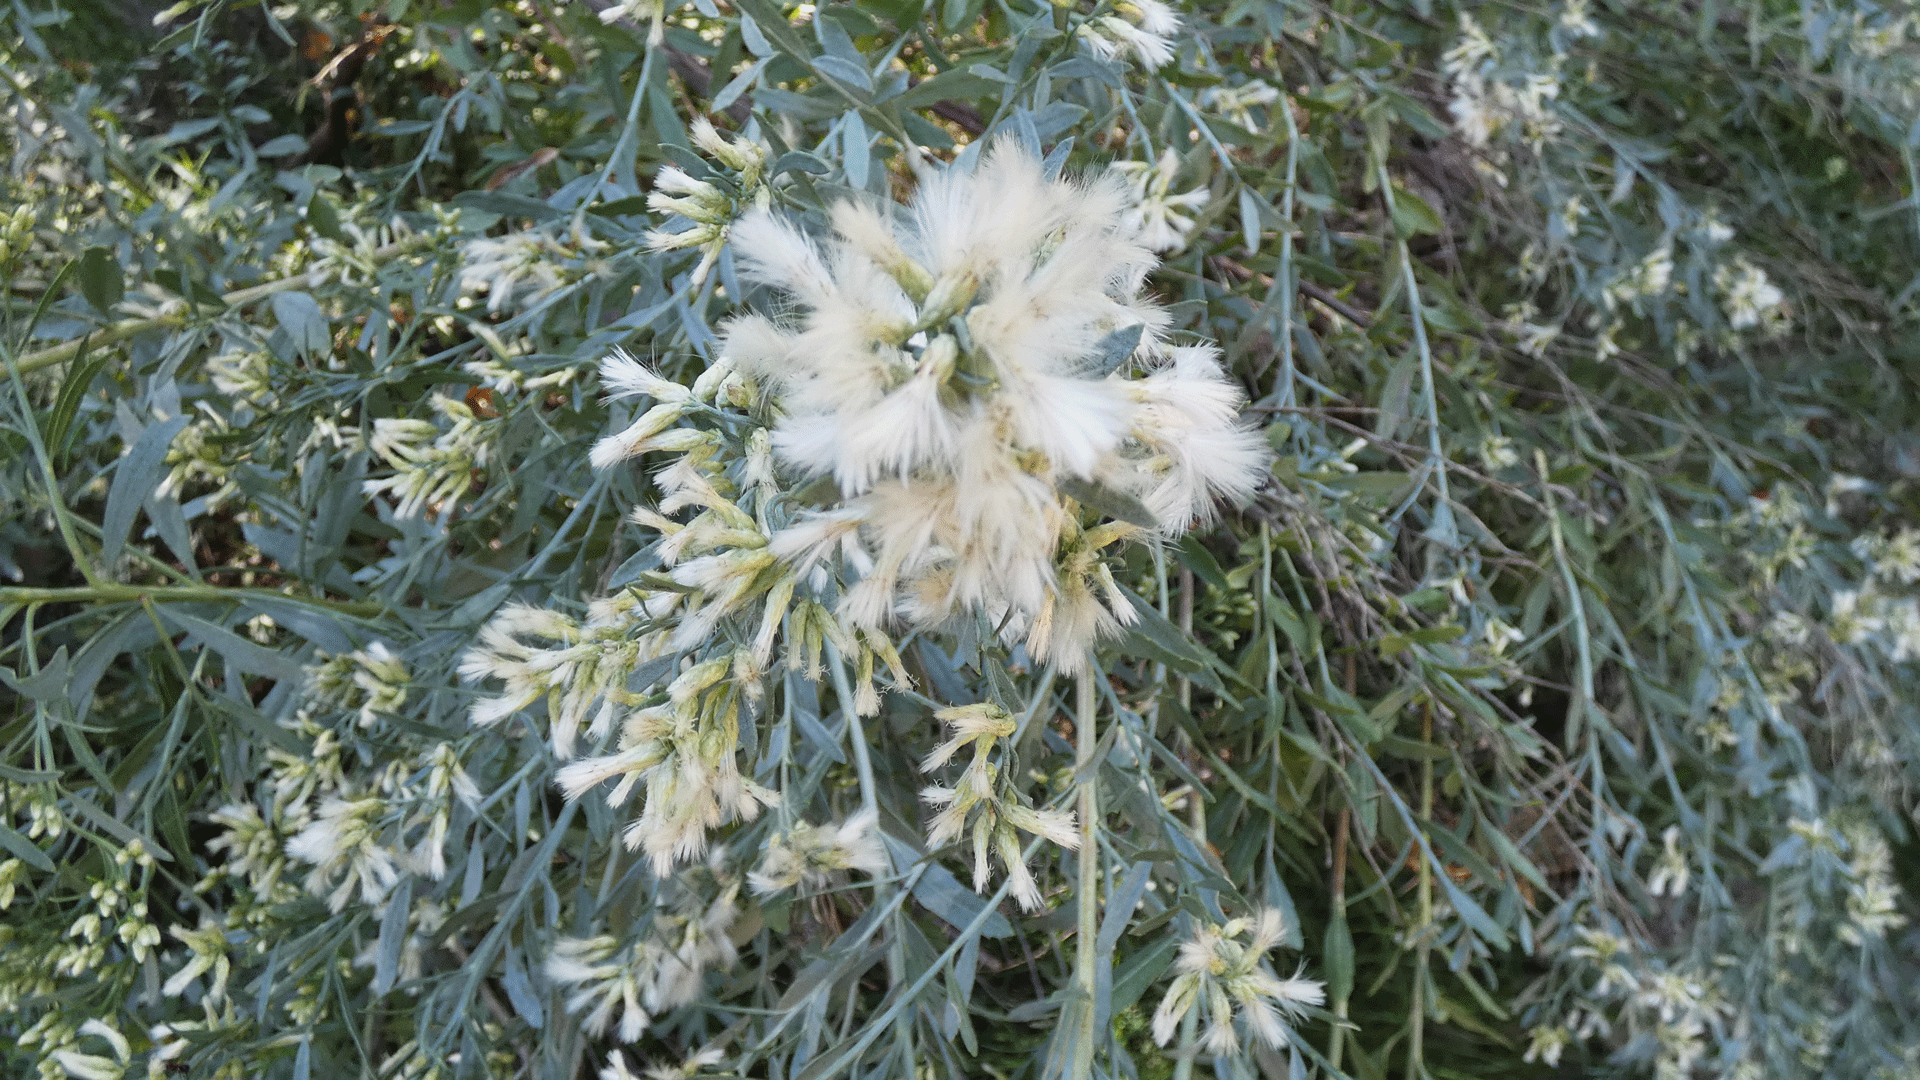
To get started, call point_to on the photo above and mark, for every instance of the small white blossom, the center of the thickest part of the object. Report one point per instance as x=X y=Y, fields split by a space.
x=1500 y=637
x=1853 y=616
x=1873 y=899
x=651 y=12
x=663 y=970
x=1238 y=102
x=1497 y=452
x=1577 y=23
x=684 y=751
x=208 y=946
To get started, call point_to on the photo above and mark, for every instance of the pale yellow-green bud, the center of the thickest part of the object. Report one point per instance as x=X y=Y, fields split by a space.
x=949 y=296
x=937 y=361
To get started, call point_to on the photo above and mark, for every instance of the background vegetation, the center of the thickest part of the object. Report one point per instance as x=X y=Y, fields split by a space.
x=1558 y=688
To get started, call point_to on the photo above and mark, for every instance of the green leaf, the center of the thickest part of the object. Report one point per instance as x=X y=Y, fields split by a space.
x=73 y=390
x=952 y=85
x=393 y=935
x=1511 y=855
x=845 y=71
x=1412 y=215
x=774 y=28
x=322 y=218
x=1336 y=957
x=26 y=850
x=1113 y=350
x=520 y=991
x=134 y=479
x=1395 y=394
x=1416 y=116
x=1373 y=488
x=101 y=280
x=1153 y=636
x=1140 y=971
x=48 y=684
x=855 y=159
x=508 y=205
x=284 y=146
x=1250 y=219
x=1288 y=621
x=1194 y=556
x=299 y=314
x=799 y=161
x=243 y=655
x=1470 y=910
x=1106 y=501
x=631 y=206
x=942 y=894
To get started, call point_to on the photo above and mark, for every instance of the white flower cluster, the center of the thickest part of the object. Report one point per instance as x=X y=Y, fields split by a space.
x=810 y=855
x=430 y=466
x=243 y=374
x=677 y=724
x=525 y=267
x=706 y=207
x=1881 y=612
x=1748 y=298
x=78 y=1064
x=354 y=839
x=344 y=845
x=1671 y=872
x=1158 y=216
x=578 y=669
x=1672 y=1009
x=1144 y=28
x=371 y=680
x=1002 y=812
x=652 y=12
x=960 y=374
x=16 y=232
x=503 y=378
x=1238 y=102
x=201 y=452
x=662 y=970
x=1485 y=102
x=119 y=913
x=685 y=751
x=1873 y=899
x=1650 y=277
x=1229 y=980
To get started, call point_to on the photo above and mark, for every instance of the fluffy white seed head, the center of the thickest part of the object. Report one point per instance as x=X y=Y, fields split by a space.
x=955 y=365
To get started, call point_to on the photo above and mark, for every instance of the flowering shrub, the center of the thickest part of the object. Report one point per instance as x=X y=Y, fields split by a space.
x=958 y=540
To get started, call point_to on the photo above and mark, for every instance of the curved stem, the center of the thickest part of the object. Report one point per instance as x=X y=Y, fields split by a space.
x=120 y=594
x=127 y=328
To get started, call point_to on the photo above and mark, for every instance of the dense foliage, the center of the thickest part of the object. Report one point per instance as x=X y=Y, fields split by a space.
x=1524 y=683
